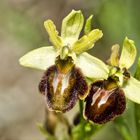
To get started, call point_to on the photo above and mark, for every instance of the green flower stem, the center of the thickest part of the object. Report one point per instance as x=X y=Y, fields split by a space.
x=82 y=121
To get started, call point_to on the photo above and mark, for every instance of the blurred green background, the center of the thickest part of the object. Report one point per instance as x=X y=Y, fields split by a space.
x=21 y=30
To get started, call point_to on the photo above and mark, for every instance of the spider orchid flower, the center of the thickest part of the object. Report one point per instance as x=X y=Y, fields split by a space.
x=106 y=98
x=66 y=64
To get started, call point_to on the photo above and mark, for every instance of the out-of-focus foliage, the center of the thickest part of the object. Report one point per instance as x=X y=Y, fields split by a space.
x=19 y=25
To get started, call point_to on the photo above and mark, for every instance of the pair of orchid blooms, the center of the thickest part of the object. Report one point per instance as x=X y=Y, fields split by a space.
x=72 y=74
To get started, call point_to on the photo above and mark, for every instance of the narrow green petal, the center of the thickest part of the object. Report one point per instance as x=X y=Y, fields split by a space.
x=92 y=67
x=132 y=90
x=87 y=41
x=72 y=26
x=40 y=58
x=87 y=28
x=114 y=58
x=53 y=34
x=128 y=53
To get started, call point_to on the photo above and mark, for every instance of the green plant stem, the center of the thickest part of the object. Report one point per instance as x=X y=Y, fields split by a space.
x=81 y=107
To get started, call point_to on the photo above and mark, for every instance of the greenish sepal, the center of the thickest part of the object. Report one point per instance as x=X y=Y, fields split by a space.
x=40 y=58
x=92 y=67
x=53 y=34
x=114 y=58
x=72 y=26
x=132 y=90
x=87 y=41
x=87 y=28
x=128 y=54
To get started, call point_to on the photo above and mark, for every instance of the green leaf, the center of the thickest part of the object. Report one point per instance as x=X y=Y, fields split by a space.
x=132 y=90
x=137 y=73
x=128 y=54
x=72 y=26
x=137 y=119
x=125 y=123
x=40 y=58
x=87 y=28
x=137 y=106
x=53 y=34
x=92 y=67
x=87 y=41
x=114 y=58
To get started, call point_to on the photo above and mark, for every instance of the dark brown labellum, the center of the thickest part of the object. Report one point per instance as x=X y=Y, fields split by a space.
x=62 y=89
x=104 y=102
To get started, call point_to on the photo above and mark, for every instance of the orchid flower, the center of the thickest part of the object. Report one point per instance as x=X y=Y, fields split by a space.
x=106 y=98
x=66 y=64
